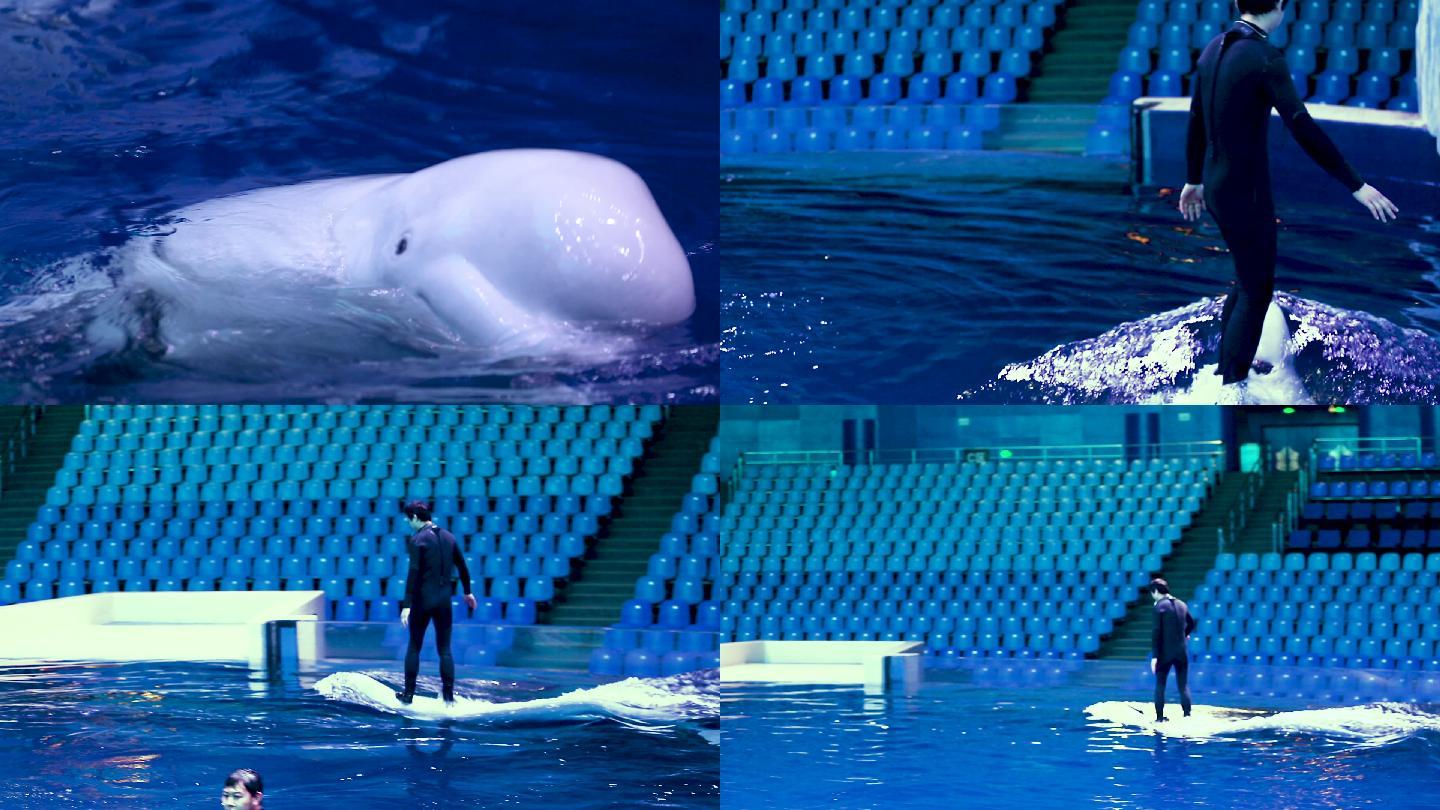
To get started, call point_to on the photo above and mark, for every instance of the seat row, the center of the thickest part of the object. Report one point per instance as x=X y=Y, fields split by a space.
x=610 y=484
x=1359 y=539
x=316 y=527
x=450 y=509
x=255 y=415
x=1092 y=573
x=537 y=589
x=1378 y=489
x=861 y=21
x=992 y=536
x=756 y=470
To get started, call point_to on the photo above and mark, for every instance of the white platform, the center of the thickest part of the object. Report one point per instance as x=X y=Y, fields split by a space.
x=873 y=664
x=171 y=626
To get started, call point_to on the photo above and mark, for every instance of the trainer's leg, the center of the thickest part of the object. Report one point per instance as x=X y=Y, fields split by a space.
x=1162 y=673
x=419 y=620
x=1182 y=672
x=1252 y=245
x=443 y=621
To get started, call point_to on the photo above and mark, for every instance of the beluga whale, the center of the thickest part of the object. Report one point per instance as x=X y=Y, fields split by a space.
x=514 y=251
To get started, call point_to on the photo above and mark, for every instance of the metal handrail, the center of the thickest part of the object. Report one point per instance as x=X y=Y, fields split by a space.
x=959 y=454
x=15 y=445
x=1366 y=444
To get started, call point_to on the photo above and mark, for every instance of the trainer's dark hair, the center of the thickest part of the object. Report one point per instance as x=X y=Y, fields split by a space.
x=420 y=510
x=1158 y=584
x=1256 y=7
x=250 y=779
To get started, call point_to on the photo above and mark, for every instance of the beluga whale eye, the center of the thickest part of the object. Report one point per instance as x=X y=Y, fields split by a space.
x=401 y=245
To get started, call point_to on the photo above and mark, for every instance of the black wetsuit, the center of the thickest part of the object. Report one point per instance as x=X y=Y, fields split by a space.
x=1173 y=625
x=1239 y=77
x=434 y=555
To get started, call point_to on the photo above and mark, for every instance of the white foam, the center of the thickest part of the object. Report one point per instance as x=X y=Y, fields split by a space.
x=633 y=699
x=1374 y=723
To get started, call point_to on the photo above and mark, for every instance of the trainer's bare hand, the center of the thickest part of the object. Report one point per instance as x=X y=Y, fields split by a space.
x=405 y=618
x=470 y=600
x=1192 y=202
x=1380 y=206
x=1152 y=666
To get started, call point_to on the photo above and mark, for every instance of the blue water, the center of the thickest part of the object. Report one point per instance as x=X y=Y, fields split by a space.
x=918 y=278
x=118 y=113
x=148 y=735
x=1016 y=734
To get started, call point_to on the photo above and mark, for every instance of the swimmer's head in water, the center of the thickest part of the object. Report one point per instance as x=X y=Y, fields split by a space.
x=1158 y=588
x=418 y=512
x=243 y=790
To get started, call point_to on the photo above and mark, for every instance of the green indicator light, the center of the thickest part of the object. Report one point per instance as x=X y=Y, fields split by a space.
x=1289 y=410
x=1006 y=454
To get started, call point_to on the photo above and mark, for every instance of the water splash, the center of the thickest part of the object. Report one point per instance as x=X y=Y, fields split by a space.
x=1374 y=724
x=633 y=701
x=1340 y=356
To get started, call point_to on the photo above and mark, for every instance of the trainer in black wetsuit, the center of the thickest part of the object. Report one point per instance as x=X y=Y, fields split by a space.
x=1239 y=77
x=1173 y=625
x=434 y=557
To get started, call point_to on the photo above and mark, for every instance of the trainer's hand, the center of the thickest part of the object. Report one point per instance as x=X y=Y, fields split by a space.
x=1379 y=205
x=470 y=600
x=1152 y=666
x=1192 y=202
x=405 y=618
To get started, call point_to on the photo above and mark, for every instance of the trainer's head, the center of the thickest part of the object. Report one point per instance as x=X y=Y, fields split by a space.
x=1158 y=588
x=418 y=513
x=1266 y=13
x=243 y=791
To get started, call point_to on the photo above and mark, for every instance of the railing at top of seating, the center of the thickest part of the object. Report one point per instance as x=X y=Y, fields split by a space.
x=1341 y=447
x=947 y=455
x=15 y=444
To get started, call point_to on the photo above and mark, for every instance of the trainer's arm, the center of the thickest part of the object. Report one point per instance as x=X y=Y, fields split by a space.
x=1195 y=140
x=412 y=577
x=462 y=568
x=1189 y=622
x=1303 y=128
x=1157 y=635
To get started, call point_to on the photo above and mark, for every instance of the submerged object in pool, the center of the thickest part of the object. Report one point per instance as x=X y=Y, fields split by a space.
x=1328 y=355
x=658 y=700
x=505 y=246
x=1376 y=723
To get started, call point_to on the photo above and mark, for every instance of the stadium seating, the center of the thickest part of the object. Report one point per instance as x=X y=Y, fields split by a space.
x=307 y=497
x=995 y=558
x=1365 y=609
x=670 y=625
x=1340 y=52
x=1359 y=53
x=1371 y=501
x=794 y=72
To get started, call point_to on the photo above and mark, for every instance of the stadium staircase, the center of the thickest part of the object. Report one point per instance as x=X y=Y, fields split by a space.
x=1081 y=56
x=1184 y=569
x=26 y=487
x=621 y=557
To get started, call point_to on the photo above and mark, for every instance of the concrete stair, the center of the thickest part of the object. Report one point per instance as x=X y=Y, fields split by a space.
x=662 y=479
x=1057 y=128
x=1185 y=569
x=27 y=485
x=1083 y=53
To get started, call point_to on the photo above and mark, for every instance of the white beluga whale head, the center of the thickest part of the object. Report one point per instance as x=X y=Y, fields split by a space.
x=1281 y=385
x=514 y=241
